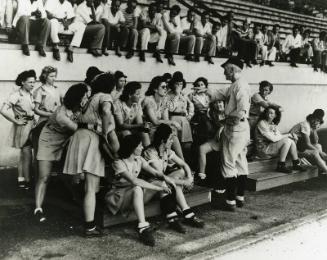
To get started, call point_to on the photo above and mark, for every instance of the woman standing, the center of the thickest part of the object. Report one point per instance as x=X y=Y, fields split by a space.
x=129 y=115
x=84 y=156
x=155 y=110
x=56 y=132
x=19 y=109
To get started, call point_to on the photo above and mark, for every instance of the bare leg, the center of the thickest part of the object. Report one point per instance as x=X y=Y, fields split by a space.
x=293 y=151
x=177 y=147
x=180 y=198
x=138 y=204
x=91 y=188
x=203 y=151
x=284 y=149
x=26 y=162
x=42 y=182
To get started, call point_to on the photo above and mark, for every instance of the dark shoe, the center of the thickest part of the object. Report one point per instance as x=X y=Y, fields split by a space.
x=177 y=226
x=40 y=217
x=94 y=232
x=26 y=50
x=188 y=57
x=104 y=52
x=293 y=64
x=117 y=52
x=130 y=54
x=254 y=62
x=224 y=206
x=209 y=60
x=170 y=60
x=70 y=55
x=282 y=168
x=142 y=56
x=28 y=185
x=157 y=55
x=21 y=184
x=248 y=64
x=239 y=203
x=40 y=50
x=262 y=63
x=56 y=54
x=315 y=69
x=196 y=58
x=94 y=52
x=194 y=222
x=147 y=238
x=270 y=64
x=298 y=167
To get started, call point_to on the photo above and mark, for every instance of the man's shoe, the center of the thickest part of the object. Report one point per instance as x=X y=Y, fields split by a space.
x=94 y=232
x=170 y=60
x=188 y=57
x=26 y=50
x=298 y=167
x=157 y=55
x=262 y=63
x=209 y=60
x=270 y=63
x=293 y=64
x=94 y=52
x=56 y=54
x=130 y=54
x=196 y=58
x=40 y=50
x=147 y=238
x=177 y=226
x=224 y=206
x=194 y=222
x=142 y=56
x=239 y=203
x=248 y=64
x=117 y=52
x=21 y=184
x=70 y=55
x=40 y=217
x=104 y=52
x=283 y=169
x=254 y=62
x=315 y=69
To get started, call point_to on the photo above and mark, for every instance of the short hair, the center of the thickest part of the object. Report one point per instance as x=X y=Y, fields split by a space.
x=308 y=31
x=264 y=115
x=176 y=8
x=128 y=145
x=276 y=25
x=167 y=76
x=322 y=34
x=130 y=89
x=45 y=73
x=295 y=27
x=264 y=84
x=154 y=84
x=204 y=80
x=205 y=12
x=23 y=76
x=161 y=134
x=74 y=95
x=103 y=83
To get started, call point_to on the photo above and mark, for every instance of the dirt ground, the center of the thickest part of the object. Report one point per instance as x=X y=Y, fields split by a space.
x=21 y=237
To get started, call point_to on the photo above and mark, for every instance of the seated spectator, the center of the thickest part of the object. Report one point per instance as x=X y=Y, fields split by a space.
x=31 y=19
x=270 y=55
x=172 y=25
x=188 y=36
x=302 y=131
x=120 y=79
x=6 y=13
x=292 y=45
x=320 y=52
x=306 y=48
x=260 y=101
x=129 y=192
x=221 y=33
x=159 y=155
x=91 y=73
x=152 y=31
x=269 y=142
x=129 y=115
x=94 y=31
x=261 y=41
x=129 y=31
x=274 y=40
x=61 y=15
x=114 y=19
x=205 y=40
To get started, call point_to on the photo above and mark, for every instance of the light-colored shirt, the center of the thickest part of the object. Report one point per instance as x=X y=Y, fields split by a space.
x=21 y=102
x=185 y=24
x=129 y=17
x=172 y=26
x=84 y=13
x=127 y=114
x=291 y=41
x=301 y=128
x=222 y=37
x=151 y=155
x=114 y=19
x=203 y=29
x=60 y=10
x=25 y=7
x=269 y=131
x=256 y=109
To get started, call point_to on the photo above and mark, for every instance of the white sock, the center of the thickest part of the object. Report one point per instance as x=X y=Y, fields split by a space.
x=21 y=179
x=240 y=198
x=38 y=209
x=142 y=226
x=231 y=202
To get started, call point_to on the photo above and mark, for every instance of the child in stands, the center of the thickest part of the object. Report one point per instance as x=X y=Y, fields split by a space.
x=159 y=155
x=271 y=143
x=53 y=137
x=308 y=149
x=19 y=109
x=129 y=192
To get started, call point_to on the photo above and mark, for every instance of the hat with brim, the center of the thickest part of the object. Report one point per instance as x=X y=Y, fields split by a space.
x=319 y=114
x=24 y=76
x=119 y=74
x=235 y=61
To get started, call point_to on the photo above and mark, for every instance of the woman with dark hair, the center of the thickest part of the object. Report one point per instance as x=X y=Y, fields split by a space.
x=129 y=191
x=54 y=135
x=270 y=142
x=158 y=155
x=180 y=110
x=129 y=115
x=19 y=109
x=155 y=110
x=308 y=148
x=84 y=156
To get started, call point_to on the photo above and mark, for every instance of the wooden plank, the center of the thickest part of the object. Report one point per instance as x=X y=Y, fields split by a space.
x=262 y=165
x=198 y=196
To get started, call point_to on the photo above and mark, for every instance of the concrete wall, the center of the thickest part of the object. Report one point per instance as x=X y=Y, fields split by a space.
x=298 y=90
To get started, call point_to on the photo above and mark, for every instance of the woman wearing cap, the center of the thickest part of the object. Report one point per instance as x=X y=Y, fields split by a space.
x=303 y=132
x=19 y=109
x=155 y=110
x=47 y=99
x=129 y=114
x=180 y=110
x=53 y=137
x=84 y=156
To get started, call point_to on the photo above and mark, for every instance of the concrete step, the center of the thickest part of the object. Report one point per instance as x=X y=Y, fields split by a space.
x=198 y=196
x=269 y=179
x=262 y=165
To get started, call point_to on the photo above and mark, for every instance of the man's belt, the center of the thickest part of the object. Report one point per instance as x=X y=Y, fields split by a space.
x=177 y=114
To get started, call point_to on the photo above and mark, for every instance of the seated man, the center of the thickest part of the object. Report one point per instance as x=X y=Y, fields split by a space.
x=172 y=25
x=31 y=18
x=61 y=15
x=94 y=31
x=306 y=49
x=188 y=29
x=205 y=41
x=292 y=45
x=6 y=13
x=129 y=31
x=274 y=40
x=220 y=31
x=152 y=31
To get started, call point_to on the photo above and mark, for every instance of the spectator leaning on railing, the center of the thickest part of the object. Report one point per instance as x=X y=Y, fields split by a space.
x=31 y=18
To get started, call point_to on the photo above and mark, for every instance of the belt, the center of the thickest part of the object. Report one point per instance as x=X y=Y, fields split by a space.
x=177 y=114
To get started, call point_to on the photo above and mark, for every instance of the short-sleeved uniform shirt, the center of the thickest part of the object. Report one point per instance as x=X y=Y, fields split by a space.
x=149 y=102
x=114 y=18
x=125 y=113
x=203 y=29
x=178 y=104
x=22 y=103
x=301 y=128
x=60 y=10
x=152 y=155
x=256 y=109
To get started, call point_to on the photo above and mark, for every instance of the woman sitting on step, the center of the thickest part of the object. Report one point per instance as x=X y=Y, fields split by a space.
x=129 y=191
x=270 y=142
